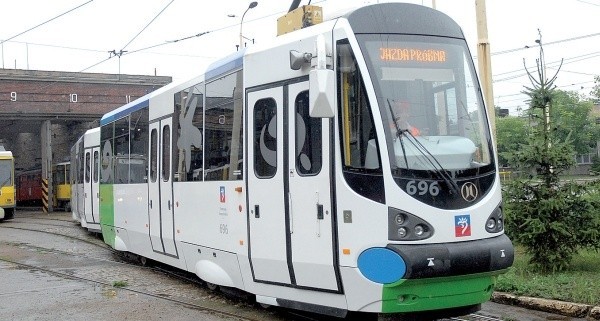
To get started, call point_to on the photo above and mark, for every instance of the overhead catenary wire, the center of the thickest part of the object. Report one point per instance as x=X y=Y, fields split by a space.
x=45 y=22
x=149 y=23
x=570 y=60
x=545 y=44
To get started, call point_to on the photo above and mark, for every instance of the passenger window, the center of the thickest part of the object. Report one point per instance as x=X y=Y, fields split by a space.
x=80 y=159
x=223 y=129
x=96 y=166
x=188 y=152
x=265 y=138
x=308 y=138
x=153 y=155
x=107 y=166
x=87 y=167
x=121 y=159
x=138 y=141
x=166 y=153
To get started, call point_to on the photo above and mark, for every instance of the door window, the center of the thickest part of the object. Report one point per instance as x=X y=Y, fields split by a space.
x=166 y=153
x=153 y=156
x=265 y=138
x=88 y=169
x=308 y=138
x=96 y=166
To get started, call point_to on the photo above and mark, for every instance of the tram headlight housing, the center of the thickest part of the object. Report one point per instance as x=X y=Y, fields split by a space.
x=402 y=232
x=399 y=219
x=495 y=222
x=419 y=230
x=403 y=226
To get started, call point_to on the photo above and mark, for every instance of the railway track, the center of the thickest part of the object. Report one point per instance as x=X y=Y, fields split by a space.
x=244 y=308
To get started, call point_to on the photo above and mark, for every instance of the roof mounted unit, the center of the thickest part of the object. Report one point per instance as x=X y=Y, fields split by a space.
x=302 y=17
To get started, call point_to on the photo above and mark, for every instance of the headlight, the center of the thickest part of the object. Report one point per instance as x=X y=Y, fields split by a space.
x=491 y=224
x=399 y=219
x=419 y=230
x=402 y=232
x=494 y=223
x=403 y=226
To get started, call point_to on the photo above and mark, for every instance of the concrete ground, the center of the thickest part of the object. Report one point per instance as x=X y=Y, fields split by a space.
x=76 y=281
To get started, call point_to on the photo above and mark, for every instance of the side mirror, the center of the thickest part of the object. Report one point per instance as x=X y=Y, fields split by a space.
x=321 y=84
x=321 y=93
x=298 y=59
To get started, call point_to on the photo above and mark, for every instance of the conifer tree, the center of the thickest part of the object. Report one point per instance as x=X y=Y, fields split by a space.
x=551 y=218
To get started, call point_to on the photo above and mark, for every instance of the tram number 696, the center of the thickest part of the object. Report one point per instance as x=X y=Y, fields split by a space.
x=223 y=229
x=422 y=188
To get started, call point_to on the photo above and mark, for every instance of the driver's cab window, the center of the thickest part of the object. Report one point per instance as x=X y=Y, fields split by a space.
x=358 y=136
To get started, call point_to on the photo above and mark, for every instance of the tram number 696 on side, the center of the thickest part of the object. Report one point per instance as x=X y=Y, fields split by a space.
x=223 y=229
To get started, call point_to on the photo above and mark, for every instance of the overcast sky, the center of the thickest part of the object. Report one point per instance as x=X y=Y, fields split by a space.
x=83 y=32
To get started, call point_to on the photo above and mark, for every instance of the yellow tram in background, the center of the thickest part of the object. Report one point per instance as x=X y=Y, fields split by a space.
x=61 y=180
x=7 y=184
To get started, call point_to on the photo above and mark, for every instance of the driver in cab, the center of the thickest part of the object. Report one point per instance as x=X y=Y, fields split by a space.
x=401 y=114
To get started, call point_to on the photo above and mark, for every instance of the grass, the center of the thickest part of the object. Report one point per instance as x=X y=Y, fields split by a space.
x=578 y=284
x=120 y=284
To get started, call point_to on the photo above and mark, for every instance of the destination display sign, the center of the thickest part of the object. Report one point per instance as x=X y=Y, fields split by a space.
x=413 y=55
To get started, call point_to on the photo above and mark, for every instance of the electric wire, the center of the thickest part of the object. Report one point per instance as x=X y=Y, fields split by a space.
x=43 y=23
x=590 y=3
x=149 y=23
x=524 y=97
x=545 y=44
x=570 y=60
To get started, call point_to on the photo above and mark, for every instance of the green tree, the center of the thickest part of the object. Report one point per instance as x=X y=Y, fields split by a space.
x=550 y=218
x=510 y=134
x=571 y=117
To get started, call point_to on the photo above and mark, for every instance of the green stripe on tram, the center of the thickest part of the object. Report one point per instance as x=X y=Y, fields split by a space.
x=437 y=293
x=107 y=214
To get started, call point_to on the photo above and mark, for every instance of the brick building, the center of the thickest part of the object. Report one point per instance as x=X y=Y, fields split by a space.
x=68 y=102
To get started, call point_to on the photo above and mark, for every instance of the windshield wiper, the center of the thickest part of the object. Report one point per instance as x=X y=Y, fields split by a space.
x=432 y=160
x=398 y=133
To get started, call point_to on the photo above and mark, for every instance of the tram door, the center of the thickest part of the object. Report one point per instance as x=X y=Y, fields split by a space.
x=289 y=191
x=160 y=188
x=91 y=188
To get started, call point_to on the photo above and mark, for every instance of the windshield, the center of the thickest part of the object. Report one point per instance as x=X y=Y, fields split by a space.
x=435 y=124
x=428 y=95
x=5 y=172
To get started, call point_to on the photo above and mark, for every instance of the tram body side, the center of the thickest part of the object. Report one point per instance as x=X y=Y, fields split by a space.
x=85 y=196
x=262 y=200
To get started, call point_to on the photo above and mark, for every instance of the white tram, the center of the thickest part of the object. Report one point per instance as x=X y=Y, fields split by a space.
x=346 y=166
x=85 y=180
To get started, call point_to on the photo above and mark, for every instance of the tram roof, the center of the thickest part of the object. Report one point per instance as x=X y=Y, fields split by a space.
x=215 y=69
x=403 y=18
x=5 y=153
